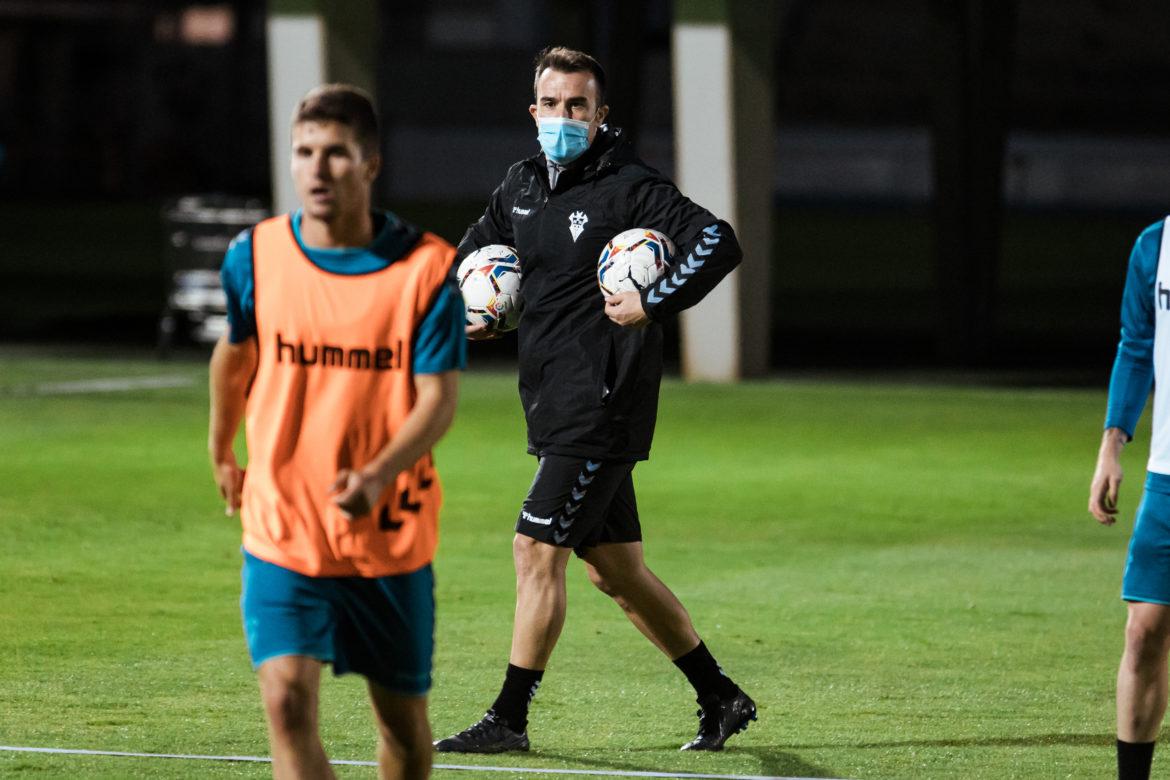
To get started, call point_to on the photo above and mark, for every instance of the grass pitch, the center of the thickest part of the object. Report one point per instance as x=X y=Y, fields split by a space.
x=904 y=577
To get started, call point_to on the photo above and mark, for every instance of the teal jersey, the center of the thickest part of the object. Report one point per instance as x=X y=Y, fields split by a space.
x=440 y=344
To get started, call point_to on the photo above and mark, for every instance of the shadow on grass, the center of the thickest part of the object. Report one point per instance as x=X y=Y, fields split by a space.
x=773 y=762
x=1035 y=740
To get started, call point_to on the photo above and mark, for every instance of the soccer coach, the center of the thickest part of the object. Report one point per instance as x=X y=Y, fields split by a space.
x=590 y=371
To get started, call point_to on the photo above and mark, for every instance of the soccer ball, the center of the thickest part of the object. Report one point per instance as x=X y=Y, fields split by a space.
x=489 y=278
x=633 y=260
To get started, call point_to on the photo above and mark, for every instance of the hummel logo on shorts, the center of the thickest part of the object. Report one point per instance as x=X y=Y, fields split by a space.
x=534 y=519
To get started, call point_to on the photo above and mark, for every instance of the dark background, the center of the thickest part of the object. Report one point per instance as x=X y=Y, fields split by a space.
x=108 y=111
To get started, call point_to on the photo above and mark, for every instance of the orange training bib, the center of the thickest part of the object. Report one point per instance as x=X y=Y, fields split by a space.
x=333 y=384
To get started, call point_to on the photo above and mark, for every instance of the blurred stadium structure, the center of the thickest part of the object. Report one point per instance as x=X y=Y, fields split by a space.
x=198 y=232
x=934 y=160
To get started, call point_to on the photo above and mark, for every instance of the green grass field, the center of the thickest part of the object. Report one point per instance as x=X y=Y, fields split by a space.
x=903 y=576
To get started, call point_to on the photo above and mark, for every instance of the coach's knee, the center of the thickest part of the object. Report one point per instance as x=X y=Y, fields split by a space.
x=1147 y=641
x=290 y=706
x=536 y=562
x=616 y=585
x=601 y=582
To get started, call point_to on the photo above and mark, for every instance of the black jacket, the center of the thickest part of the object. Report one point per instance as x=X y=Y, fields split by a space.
x=589 y=387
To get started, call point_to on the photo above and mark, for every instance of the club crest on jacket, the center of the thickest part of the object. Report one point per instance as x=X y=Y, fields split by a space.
x=577 y=222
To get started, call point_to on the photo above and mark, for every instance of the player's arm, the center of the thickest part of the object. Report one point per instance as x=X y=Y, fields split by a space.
x=232 y=369
x=1132 y=377
x=233 y=365
x=1107 y=476
x=708 y=252
x=357 y=491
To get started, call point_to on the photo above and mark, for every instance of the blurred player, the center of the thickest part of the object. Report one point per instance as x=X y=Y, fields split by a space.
x=342 y=355
x=589 y=377
x=1143 y=357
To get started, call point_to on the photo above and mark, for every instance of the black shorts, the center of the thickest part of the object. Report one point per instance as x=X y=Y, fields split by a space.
x=581 y=503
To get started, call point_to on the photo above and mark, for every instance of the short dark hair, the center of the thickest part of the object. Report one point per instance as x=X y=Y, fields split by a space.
x=344 y=104
x=568 y=60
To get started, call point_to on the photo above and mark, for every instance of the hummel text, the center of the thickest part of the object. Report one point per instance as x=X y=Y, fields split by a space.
x=330 y=356
x=534 y=519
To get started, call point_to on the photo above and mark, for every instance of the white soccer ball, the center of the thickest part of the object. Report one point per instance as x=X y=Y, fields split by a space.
x=633 y=260
x=489 y=278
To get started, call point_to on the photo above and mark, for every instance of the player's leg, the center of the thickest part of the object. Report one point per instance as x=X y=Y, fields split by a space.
x=386 y=633
x=566 y=504
x=404 y=735
x=288 y=686
x=615 y=564
x=289 y=626
x=1142 y=674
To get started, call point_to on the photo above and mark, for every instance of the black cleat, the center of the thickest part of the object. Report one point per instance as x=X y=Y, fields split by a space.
x=719 y=719
x=488 y=735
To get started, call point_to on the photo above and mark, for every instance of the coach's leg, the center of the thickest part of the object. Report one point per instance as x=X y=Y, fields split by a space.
x=540 y=615
x=289 y=686
x=540 y=601
x=404 y=735
x=620 y=572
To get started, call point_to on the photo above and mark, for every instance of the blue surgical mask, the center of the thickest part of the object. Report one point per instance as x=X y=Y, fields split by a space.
x=563 y=140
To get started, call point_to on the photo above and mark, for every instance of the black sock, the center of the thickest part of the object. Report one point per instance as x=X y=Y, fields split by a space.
x=519 y=687
x=704 y=674
x=1134 y=759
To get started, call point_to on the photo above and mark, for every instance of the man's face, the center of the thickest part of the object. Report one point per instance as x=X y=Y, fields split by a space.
x=568 y=95
x=331 y=175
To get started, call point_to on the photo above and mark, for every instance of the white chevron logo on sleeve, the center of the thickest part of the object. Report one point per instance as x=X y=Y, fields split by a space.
x=687 y=268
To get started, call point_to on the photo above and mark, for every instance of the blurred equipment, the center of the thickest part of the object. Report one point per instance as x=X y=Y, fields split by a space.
x=199 y=229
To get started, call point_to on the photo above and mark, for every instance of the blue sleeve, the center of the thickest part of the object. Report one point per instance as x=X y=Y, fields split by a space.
x=1133 y=370
x=239 y=285
x=441 y=343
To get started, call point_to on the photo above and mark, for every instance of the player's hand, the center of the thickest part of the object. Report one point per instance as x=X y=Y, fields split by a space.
x=356 y=492
x=1107 y=478
x=481 y=333
x=229 y=478
x=625 y=309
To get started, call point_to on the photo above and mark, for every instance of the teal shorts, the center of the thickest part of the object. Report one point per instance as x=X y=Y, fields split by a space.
x=1147 y=569
x=382 y=628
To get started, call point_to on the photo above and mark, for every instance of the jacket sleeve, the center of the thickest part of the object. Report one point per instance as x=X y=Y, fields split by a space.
x=494 y=227
x=707 y=246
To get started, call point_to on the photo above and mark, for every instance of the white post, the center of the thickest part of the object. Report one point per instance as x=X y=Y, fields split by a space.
x=705 y=170
x=296 y=64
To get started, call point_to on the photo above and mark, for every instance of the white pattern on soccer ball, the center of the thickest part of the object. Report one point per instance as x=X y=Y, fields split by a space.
x=633 y=260
x=489 y=278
